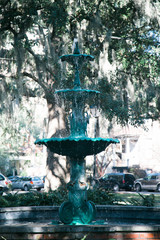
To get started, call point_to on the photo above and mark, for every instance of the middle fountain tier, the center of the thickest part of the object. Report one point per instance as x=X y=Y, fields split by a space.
x=77 y=210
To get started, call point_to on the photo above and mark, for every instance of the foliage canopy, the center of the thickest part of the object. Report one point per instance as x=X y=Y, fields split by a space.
x=123 y=36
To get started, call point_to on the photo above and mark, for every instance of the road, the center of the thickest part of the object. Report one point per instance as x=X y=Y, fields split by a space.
x=142 y=192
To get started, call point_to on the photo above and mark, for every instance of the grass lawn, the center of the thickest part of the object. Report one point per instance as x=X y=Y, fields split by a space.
x=138 y=198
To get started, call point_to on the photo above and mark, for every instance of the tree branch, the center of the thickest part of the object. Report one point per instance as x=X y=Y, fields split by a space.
x=47 y=91
x=30 y=76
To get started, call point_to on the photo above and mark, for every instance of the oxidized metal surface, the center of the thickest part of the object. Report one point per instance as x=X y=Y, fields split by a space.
x=77 y=210
x=78 y=94
x=77 y=60
x=77 y=147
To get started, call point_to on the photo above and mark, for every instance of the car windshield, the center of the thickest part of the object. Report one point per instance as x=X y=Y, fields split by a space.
x=1 y=178
x=25 y=179
x=148 y=177
x=36 y=179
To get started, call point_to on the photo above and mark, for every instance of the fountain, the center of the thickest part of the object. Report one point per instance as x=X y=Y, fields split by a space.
x=77 y=210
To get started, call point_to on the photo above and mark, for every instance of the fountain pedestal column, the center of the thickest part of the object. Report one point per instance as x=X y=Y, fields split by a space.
x=77 y=210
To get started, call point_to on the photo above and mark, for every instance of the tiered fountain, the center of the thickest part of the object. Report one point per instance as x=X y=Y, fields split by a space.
x=77 y=210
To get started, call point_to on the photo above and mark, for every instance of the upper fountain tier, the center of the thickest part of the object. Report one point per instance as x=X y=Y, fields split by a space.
x=77 y=60
x=78 y=96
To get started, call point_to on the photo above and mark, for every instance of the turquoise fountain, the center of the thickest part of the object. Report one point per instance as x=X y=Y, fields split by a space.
x=77 y=210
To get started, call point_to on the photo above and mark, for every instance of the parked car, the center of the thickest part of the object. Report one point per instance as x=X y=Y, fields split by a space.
x=11 y=178
x=43 y=178
x=37 y=183
x=5 y=184
x=150 y=182
x=116 y=181
x=22 y=183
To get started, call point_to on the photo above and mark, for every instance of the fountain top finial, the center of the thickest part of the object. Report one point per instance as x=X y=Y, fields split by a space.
x=76 y=49
x=77 y=60
x=75 y=46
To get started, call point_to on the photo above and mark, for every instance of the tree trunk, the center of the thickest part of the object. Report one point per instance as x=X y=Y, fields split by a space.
x=57 y=167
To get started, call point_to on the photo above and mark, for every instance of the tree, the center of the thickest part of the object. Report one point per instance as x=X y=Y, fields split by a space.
x=123 y=37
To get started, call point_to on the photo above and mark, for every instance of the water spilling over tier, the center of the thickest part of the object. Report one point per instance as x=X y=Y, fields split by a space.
x=77 y=146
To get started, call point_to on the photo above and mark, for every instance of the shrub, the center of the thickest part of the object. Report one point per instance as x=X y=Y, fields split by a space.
x=57 y=197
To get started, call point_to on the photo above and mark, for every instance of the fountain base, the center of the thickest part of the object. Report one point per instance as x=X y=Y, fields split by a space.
x=112 y=222
x=77 y=209
x=83 y=214
x=32 y=231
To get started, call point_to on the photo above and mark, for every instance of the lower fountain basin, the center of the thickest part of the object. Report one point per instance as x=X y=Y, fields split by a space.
x=106 y=215
x=76 y=147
